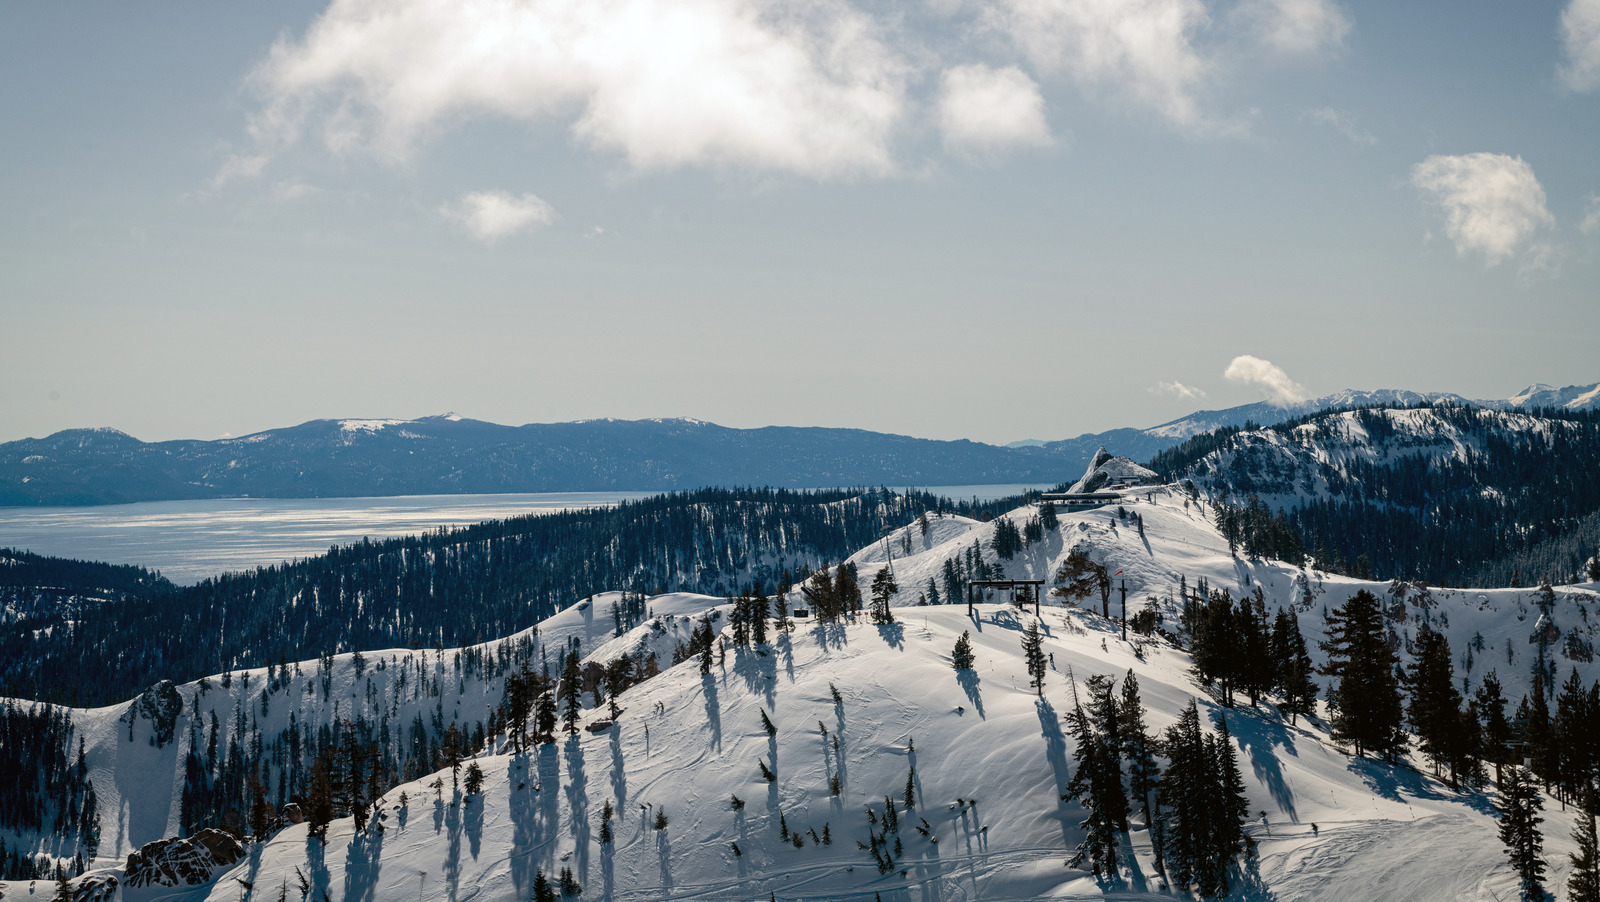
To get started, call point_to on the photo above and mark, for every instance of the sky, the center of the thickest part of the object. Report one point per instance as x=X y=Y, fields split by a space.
x=996 y=221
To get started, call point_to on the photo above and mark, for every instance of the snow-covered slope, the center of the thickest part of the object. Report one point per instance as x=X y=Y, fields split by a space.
x=989 y=756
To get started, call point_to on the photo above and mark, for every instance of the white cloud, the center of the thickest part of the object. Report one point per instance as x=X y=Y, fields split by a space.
x=1342 y=122
x=1580 y=45
x=1492 y=202
x=1141 y=50
x=1294 y=27
x=1174 y=387
x=808 y=88
x=491 y=215
x=1591 y=216
x=988 y=111
x=1273 y=382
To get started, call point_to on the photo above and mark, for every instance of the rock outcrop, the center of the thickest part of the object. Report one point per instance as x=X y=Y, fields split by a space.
x=182 y=862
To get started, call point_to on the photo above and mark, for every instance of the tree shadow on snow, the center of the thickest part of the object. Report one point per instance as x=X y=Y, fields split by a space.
x=969 y=681
x=317 y=864
x=664 y=856
x=363 y=859
x=829 y=635
x=578 y=801
x=894 y=634
x=758 y=670
x=524 y=824
x=1391 y=780
x=472 y=809
x=1055 y=747
x=708 y=689
x=452 y=855
x=619 y=775
x=1258 y=734
x=1245 y=883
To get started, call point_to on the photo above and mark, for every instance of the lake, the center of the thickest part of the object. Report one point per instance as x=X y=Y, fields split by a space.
x=190 y=540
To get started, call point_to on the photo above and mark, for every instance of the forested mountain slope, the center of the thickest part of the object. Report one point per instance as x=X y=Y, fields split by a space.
x=1433 y=493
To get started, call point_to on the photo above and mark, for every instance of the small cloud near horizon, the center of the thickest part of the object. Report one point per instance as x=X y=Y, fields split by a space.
x=1266 y=376
x=491 y=215
x=1177 y=389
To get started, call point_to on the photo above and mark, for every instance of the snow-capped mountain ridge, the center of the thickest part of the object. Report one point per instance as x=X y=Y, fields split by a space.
x=688 y=742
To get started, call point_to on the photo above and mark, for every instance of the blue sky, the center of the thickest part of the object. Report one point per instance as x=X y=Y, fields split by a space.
x=1027 y=218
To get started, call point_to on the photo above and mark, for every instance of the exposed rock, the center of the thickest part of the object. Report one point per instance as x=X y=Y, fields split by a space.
x=162 y=704
x=96 y=888
x=182 y=862
x=1107 y=471
x=293 y=815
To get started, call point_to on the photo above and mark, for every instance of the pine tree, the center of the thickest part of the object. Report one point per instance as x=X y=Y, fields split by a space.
x=474 y=784
x=883 y=589
x=1519 y=829
x=319 y=802
x=570 y=680
x=1584 y=883
x=1138 y=746
x=1435 y=709
x=1097 y=787
x=542 y=891
x=911 y=788
x=1294 y=668
x=545 y=717
x=606 y=814
x=767 y=724
x=1491 y=705
x=1366 y=701
x=661 y=819
x=1033 y=654
x=962 y=657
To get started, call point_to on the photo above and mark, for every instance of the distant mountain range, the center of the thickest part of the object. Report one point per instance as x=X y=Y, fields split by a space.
x=454 y=455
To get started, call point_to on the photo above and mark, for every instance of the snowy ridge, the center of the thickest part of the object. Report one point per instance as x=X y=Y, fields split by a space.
x=688 y=742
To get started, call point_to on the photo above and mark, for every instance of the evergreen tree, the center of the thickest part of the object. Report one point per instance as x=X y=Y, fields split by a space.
x=1366 y=701
x=1435 y=709
x=570 y=687
x=1080 y=577
x=1294 y=668
x=883 y=589
x=545 y=717
x=474 y=783
x=542 y=891
x=1097 y=787
x=1496 y=729
x=1584 y=884
x=962 y=658
x=1033 y=654
x=1519 y=829
x=319 y=802
x=1138 y=746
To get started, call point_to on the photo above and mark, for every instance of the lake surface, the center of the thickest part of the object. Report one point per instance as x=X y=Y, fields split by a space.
x=190 y=540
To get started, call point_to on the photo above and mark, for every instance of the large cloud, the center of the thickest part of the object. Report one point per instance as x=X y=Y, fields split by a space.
x=806 y=87
x=987 y=111
x=1273 y=382
x=818 y=88
x=1492 y=203
x=1580 y=45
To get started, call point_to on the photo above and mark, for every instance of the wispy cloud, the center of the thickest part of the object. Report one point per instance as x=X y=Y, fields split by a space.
x=985 y=111
x=1266 y=376
x=1302 y=28
x=1342 y=122
x=492 y=215
x=1590 y=223
x=1492 y=203
x=1178 y=389
x=1580 y=45
x=1142 y=52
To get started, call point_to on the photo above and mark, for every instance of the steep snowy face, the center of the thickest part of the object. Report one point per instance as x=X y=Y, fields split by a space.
x=1106 y=470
